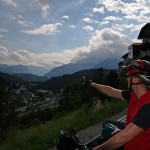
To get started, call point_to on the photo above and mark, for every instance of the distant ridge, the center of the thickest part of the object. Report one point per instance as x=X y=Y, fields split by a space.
x=68 y=69
x=31 y=77
x=11 y=69
x=74 y=67
x=27 y=72
x=108 y=64
x=22 y=77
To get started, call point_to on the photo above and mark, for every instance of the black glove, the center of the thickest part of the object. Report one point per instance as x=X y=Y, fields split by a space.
x=86 y=81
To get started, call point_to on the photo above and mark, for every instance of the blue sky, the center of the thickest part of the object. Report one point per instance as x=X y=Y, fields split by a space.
x=50 y=33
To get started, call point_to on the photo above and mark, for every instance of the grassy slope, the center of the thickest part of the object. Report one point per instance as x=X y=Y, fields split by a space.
x=44 y=136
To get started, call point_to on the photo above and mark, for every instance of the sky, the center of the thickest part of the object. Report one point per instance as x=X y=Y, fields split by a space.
x=51 y=33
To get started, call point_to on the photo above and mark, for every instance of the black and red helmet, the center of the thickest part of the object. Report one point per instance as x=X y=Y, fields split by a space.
x=139 y=68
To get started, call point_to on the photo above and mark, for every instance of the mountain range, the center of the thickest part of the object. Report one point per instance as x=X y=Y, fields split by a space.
x=32 y=73
x=74 y=67
x=11 y=69
x=30 y=77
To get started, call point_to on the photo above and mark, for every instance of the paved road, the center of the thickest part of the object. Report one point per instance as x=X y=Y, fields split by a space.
x=93 y=131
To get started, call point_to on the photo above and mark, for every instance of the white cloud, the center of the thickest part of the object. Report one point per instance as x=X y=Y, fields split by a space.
x=58 y=24
x=129 y=27
x=144 y=2
x=131 y=9
x=10 y=2
x=136 y=11
x=88 y=28
x=113 y=18
x=72 y=26
x=100 y=10
x=119 y=27
x=119 y=6
x=47 y=29
x=44 y=7
x=3 y=51
x=65 y=17
x=139 y=18
x=104 y=22
x=29 y=58
x=24 y=23
x=102 y=44
x=112 y=5
x=88 y=20
x=137 y=27
x=145 y=11
x=106 y=38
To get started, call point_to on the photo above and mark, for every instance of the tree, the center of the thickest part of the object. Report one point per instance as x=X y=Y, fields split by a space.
x=112 y=79
x=123 y=80
x=7 y=112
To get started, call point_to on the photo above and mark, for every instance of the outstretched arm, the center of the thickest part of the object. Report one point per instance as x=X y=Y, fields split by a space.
x=108 y=90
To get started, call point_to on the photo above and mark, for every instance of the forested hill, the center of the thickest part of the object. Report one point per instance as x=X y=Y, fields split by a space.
x=61 y=82
x=7 y=78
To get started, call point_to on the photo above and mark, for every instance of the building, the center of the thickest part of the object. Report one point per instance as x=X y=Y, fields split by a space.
x=144 y=35
x=139 y=50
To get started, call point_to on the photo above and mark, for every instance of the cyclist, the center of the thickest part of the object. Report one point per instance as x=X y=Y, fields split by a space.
x=136 y=134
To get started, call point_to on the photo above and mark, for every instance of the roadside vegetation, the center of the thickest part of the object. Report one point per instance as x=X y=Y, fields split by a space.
x=45 y=135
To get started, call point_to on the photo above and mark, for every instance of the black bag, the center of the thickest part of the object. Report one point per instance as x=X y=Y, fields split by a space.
x=68 y=141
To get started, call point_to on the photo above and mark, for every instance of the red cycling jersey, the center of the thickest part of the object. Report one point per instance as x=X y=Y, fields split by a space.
x=142 y=141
